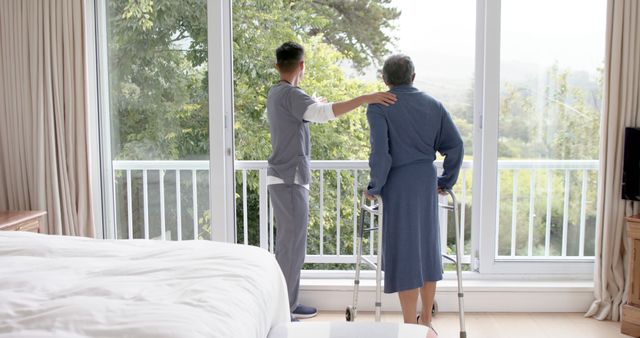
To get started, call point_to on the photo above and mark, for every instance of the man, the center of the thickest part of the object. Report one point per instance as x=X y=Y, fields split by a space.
x=404 y=140
x=289 y=111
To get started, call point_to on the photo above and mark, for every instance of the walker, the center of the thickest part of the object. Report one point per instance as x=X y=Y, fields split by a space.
x=376 y=209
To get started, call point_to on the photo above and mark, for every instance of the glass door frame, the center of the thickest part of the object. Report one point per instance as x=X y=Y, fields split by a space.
x=485 y=186
x=221 y=138
x=220 y=86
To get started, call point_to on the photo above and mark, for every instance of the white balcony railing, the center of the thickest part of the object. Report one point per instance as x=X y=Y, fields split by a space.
x=175 y=208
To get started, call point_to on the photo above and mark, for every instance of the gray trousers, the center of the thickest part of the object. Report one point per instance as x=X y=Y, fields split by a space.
x=291 y=210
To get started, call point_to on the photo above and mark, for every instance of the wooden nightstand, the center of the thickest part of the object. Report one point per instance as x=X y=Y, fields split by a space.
x=631 y=310
x=21 y=220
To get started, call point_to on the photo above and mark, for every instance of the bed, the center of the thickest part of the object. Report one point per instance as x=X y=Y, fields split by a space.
x=55 y=286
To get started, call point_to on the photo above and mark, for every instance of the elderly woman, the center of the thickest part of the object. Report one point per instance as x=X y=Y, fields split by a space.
x=404 y=140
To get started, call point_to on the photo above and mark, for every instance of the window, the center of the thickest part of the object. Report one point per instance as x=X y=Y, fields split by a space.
x=184 y=90
x=550 y=102
x=165 y=126
x=541 y=109
x=158 y=118
x=338 y=70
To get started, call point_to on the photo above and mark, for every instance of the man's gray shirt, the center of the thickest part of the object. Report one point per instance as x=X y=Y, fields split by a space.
x=290 y=137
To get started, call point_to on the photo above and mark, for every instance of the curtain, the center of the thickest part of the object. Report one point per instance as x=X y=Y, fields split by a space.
x=43 y=113
x=621 y=109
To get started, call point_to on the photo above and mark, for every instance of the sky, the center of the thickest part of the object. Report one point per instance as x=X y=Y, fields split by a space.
x=439 y=35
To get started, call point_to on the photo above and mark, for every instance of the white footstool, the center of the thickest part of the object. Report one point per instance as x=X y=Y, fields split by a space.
x=348 y=330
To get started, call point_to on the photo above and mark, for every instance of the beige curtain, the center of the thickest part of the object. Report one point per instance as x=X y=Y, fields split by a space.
x=621 y=109
x=43 y=113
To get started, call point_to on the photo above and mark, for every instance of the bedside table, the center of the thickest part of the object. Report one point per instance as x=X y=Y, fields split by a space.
x=21 y=220
x=631 y=310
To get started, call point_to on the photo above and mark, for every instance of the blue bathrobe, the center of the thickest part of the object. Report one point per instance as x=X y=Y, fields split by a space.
x=404 y=140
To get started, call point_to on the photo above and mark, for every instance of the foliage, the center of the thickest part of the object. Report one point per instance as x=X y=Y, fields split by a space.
x=561 y=127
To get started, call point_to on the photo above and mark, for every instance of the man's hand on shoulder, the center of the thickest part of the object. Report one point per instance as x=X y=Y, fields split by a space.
x=383 y=98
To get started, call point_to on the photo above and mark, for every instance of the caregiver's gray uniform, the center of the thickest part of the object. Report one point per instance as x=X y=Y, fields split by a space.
x=289 y=162
x=404 y=140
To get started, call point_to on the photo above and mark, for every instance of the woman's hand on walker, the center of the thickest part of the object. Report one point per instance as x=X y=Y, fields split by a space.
x=442 y=191
x=368 y=196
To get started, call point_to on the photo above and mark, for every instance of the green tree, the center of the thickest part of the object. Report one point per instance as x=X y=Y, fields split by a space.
x=158 y=78
x=561 y=122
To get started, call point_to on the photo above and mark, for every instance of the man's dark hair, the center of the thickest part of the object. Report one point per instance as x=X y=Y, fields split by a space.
x=289 y=55
x=398 y=70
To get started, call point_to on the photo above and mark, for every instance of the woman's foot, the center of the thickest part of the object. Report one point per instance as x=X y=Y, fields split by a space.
x=432 y=332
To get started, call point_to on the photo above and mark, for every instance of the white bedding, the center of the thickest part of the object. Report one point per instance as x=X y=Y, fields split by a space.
x=54 y=286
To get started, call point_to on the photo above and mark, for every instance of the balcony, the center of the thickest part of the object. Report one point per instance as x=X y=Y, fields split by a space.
x=546 y=208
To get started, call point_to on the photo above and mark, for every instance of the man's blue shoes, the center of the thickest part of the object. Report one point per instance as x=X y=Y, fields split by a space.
x=303 y=312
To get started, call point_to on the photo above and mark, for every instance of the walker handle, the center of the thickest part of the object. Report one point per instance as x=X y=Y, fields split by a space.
x=373 y=209
x=453 y=200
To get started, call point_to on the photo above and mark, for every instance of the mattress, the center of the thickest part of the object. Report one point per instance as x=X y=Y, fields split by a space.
x=55 y=286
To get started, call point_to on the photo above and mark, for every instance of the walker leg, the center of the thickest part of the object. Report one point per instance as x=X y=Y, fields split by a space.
x=352 y=311
x=463 y=332
x=379 y=262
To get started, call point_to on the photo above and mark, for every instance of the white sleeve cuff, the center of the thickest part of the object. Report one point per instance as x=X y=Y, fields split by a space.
x=319 y=112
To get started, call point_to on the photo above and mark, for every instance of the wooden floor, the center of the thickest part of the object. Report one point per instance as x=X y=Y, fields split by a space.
x=506 y=325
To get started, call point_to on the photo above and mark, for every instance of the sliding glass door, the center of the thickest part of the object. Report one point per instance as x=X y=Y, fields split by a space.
x=342 y=61
x=545 y=89
x=159 y=122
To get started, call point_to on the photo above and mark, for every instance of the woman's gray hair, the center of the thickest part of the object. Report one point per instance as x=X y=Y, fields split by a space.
x=398 y=70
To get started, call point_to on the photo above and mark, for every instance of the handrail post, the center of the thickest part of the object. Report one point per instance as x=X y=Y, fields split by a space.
x=264 y=205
